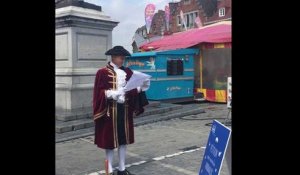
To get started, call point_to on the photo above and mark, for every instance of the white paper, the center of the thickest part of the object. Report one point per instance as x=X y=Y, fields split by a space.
x=137 y=79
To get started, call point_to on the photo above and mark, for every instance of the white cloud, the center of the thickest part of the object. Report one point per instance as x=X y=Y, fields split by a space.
x=130 y=14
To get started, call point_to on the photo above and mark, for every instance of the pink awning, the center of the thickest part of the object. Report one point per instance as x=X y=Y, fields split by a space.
x=210 y=34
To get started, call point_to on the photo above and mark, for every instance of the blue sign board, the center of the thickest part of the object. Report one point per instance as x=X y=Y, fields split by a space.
x=215 y=149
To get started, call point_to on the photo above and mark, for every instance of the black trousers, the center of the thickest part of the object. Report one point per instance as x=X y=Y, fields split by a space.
x=121 y=123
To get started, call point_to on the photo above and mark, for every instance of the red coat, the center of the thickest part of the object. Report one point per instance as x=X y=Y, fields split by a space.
x=104 y=110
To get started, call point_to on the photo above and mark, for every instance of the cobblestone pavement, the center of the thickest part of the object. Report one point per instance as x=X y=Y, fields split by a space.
x=171 y=147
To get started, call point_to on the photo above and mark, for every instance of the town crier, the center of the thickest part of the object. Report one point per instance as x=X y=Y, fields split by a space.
x=114 y=107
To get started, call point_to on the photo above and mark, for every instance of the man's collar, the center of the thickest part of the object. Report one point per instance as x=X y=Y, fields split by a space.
x=113 y=65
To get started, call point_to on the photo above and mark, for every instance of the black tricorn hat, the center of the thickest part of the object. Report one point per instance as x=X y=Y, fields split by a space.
x=118 y=50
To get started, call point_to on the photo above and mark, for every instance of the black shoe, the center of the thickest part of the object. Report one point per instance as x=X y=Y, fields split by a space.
x=125 y=172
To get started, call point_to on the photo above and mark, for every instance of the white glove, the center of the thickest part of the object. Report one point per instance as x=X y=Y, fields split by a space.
x=139 y=89
x=121 y=99
x=112 y=94
x=121 y=91
x=145 y=85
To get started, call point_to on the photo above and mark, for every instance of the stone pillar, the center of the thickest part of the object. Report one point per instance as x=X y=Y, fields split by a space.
x=83 y=34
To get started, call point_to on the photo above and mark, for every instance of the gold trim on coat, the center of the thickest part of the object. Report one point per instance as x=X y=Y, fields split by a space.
x=126 y=123
x=100 y=114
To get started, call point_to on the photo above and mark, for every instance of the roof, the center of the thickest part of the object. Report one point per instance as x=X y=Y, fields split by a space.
x=169 y=52
x=216 y=33
x=140 y=40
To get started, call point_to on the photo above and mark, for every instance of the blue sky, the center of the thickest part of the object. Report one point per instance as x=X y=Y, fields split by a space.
x=130 y=14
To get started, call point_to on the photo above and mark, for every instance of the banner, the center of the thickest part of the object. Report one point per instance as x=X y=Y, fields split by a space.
x=182 y=19
x=149 y=13
x=198 y=22
x=229 y=95
x=167 y=15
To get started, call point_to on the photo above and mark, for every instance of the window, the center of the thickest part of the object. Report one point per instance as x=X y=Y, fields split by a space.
x=192 y=20
x=189 y=19
x=175 y=67
x=187 y=16
x=221 y=12
x=185 y=2
x=178 y=21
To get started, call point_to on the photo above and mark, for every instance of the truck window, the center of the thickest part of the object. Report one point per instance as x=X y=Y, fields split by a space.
x=175 y=67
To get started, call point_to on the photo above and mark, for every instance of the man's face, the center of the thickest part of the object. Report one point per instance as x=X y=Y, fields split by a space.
x=118 y=60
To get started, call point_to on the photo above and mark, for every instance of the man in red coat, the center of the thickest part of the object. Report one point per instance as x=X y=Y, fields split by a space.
x=113 y=107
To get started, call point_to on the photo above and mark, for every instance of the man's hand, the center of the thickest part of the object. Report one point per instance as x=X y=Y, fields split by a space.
x=118 y=95
x=145 y=85
x=121 y=91
x=139 y=89
x=112 y=94
x=121 y=99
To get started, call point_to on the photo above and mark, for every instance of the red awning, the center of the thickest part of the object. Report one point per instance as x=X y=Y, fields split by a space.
x=210 y=34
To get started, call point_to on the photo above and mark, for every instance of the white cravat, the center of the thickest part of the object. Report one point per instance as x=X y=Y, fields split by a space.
x=121 y=81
